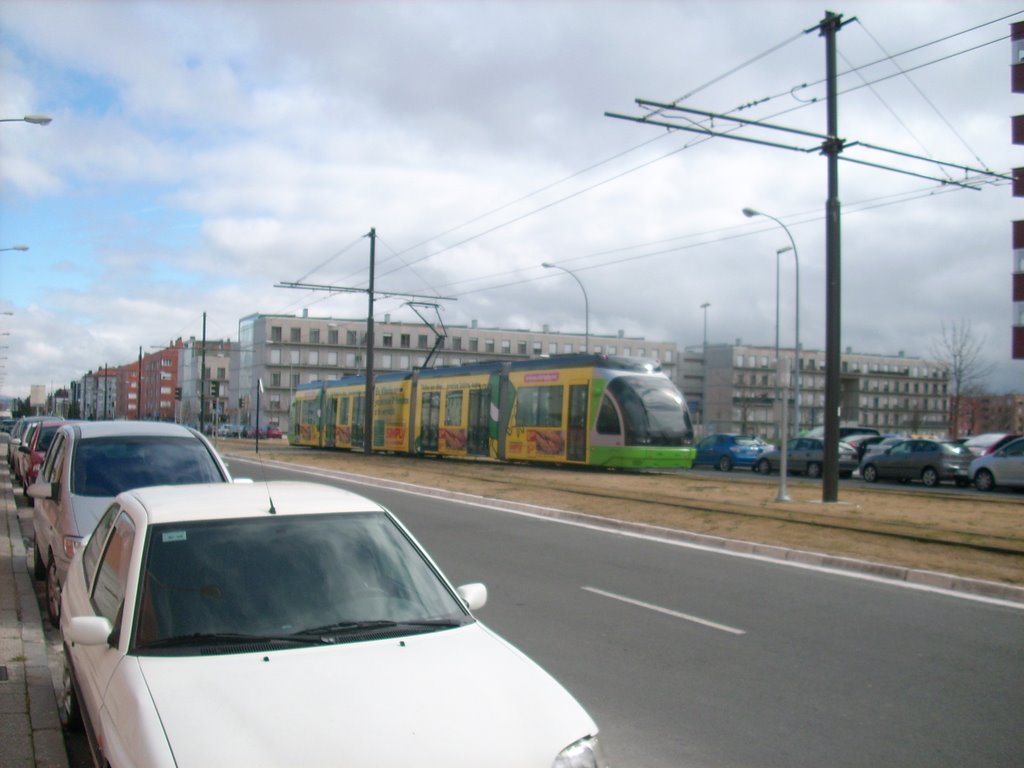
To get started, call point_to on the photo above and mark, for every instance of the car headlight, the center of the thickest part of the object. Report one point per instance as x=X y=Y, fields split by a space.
x=585 y=753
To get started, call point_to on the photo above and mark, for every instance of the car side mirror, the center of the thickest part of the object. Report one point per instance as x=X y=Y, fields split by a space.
x=473 y=595
x=89 y=630
x=44 y=490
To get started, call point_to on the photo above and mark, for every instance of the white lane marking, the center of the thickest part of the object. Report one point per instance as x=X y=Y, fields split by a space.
x=668 y=611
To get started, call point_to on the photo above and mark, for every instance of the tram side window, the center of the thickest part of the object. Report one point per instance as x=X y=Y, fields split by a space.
x=453 y=409
x=608 y=422
x=343 y=410
x=539 y=407
x=310 y=411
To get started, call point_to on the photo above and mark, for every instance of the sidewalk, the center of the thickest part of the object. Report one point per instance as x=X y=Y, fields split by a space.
x=30 y=732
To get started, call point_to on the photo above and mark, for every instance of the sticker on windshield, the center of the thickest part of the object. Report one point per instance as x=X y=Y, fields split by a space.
x=171 y=536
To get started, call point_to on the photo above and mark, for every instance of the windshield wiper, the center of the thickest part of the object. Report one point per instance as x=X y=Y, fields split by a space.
x=218 y=638
x=353 y=627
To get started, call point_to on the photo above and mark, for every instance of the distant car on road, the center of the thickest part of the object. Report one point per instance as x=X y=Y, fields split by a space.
x=1004 y=466
x=987 y=442
x=723 y=451
x=882 y=445
x=930 y=461
x=227 y=429
x=293 y=624
x=88 y=464
x=807 y=455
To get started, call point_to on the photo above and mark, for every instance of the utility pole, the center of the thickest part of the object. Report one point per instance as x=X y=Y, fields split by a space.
x=832 y=146
x=368 y=398
x=370 y=293
x=138 y=391
x=202 y=380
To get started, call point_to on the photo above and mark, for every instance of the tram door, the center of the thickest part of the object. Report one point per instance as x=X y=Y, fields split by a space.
x=358 y=421
x=576 y=444
x=330 y=412
x=479 y=429
x=430 y=418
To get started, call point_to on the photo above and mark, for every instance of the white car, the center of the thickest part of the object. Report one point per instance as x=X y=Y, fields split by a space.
x=87 y=465
x=293 y=624
x=1005 y=466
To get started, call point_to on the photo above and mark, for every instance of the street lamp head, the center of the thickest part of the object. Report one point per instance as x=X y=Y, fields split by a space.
x=15 y=248
x=38 y=119
x=748 y=212
x=785 y=249
x=548 y=265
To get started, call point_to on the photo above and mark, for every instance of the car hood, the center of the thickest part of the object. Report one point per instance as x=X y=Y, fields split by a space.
x=459 y=697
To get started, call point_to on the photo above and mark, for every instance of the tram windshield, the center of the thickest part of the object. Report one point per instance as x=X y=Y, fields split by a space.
x=653 y=410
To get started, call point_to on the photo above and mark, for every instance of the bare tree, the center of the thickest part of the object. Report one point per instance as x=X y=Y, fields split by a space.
x=961 y=350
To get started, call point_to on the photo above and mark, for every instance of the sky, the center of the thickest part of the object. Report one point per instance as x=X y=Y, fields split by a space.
x=201 y=154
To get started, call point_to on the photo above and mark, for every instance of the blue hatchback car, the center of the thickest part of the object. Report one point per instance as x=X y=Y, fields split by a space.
x=723 y=451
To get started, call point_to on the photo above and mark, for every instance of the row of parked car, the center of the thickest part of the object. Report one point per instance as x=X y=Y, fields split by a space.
x=208 y=620
x=985 y=461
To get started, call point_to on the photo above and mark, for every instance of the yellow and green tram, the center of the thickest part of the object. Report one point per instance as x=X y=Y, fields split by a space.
x=595 y=410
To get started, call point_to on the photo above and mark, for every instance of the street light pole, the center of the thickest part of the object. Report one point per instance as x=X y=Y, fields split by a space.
x=34 y=119
x=586 y=302
x=15 y=248
x=749 y=212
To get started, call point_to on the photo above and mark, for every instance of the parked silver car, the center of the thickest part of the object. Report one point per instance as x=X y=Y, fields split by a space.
x=1003 y=467
x=930 y=461
x=88 y=464
x=807 y=455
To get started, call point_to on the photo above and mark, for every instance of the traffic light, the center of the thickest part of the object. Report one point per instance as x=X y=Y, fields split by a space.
x=214 y=389
x=177 y=393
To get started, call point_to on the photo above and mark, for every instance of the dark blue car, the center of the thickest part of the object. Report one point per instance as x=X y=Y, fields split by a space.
x=723 y=451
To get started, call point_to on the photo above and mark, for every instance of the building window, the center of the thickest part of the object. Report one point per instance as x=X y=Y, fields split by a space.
x=405 y=341
x=295 y=335
x=275 y=333
x=421 y=341
x=387 y=340
x=506 y=346
x=403 y=362
x=567 y=348
x=314 y=335
x=351 y=338
x=474 y=345
x=275 y=379
x=221 y=373
x=521 y=348
x=385 y=362
x=332 y=359
x=293 y=357
x=275 y=357
x=552 y=347
x=332 y=337
x=314 y=357
x=489 y=346
x=456 y=342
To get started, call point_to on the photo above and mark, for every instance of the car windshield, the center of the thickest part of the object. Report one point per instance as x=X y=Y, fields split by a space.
x=105 y=466
x=957 y=450
x=311 y=578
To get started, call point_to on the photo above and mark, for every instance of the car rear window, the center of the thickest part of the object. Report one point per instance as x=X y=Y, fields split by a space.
x=105 y=466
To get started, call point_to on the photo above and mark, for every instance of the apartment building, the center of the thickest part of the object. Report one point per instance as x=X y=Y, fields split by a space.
x=739 y=389
x=284 y=351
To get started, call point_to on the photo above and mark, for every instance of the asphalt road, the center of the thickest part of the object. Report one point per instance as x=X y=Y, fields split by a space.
x=693 y=658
